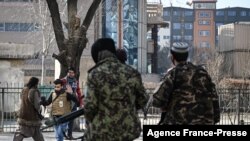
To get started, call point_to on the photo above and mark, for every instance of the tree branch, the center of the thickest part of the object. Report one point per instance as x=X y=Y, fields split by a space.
x=57 y=24
x=90 y=14
x=60 y=57
x=72 y=11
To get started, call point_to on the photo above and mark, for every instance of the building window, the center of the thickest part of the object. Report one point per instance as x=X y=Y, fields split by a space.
x=219 y=13
x=243 y=13
x=176 y=37
x=176 y=26
x=1 y=27
x=204 y=33
x=188 y=13
x=50 y=73
x=32 y=72
x=218 y=24
x=166 y=13
x=231 y=13
x=149 y=36
x=165 y=37
x=188 y=26
x=204 y=22
x=158 y=38
x=188 y=37
x=217 y=38
x=25 y=27
x=204 y=44
x=12 y=27
x=204 y=14
x=177 y=13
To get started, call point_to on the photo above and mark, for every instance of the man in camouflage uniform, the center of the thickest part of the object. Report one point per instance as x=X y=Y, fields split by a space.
x=187 y=94
x=114 y=93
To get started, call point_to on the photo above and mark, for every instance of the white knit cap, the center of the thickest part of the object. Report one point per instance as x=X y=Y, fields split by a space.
x=180 y=47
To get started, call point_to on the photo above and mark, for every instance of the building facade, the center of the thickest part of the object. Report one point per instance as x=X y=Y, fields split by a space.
x=199 y=27
x=27 y=41
x=234 y=47
x=125 y=22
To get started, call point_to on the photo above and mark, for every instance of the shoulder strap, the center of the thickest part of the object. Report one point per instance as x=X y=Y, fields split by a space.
x=54 y=98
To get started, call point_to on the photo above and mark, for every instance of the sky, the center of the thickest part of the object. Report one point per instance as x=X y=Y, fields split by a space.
x=220 y=3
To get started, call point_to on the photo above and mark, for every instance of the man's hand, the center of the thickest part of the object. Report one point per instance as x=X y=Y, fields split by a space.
x=69 y=89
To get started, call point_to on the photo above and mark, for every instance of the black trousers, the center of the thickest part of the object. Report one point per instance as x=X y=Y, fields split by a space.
x=71 y=123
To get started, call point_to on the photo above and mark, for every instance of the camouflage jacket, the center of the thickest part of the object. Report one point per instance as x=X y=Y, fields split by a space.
x=114 y=93
x=188 y=96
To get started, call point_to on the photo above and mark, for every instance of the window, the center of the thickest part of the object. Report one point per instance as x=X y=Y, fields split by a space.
x=231 y=13
x=176 y=37
x=217 y=38
x=243 y=13
x=12 y=27
x=158 y=38
x=204 y=14
x=188 y=13
x=166 y=37
x=205 y=44
x=32 y=72
x=188 y=26
x=218 y=24
x=166 y=13
x=219 y=13
x=204 y=22
x=176 y=26
x=188 y=37
x=149 y=35
x=177 y=13
x=1 y=27
x=19 y=27
x=11 y=0
x=50 y=72
x=26 y=27
x=204 y=33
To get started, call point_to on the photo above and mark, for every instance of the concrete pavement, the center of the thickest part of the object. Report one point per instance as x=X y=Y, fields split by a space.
x=49 y=136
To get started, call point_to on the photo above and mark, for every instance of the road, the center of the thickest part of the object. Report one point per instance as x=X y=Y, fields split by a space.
x=49 y=136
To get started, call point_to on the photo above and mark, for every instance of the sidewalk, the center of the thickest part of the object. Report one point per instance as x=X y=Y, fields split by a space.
x=49 y=136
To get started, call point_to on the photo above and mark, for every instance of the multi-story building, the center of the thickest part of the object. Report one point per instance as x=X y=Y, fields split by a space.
x=234 y=47
x=199 y=26
x=126 y=22
x=26 y=36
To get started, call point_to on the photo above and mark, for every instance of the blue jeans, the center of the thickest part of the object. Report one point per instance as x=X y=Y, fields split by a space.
x=59 y=131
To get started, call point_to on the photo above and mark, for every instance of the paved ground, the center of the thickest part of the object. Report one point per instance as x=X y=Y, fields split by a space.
x=49 y=136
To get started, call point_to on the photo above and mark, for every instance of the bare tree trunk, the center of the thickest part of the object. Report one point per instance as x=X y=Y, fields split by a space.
x=70 y=50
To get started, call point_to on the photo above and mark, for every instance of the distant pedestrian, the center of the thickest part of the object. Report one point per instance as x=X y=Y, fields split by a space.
x=187 y=94
x=71 y=81
x=29 y=118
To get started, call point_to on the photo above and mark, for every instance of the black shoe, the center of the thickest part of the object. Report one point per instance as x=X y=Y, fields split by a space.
x=70 y=137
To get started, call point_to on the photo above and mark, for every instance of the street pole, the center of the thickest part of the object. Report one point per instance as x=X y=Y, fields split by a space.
x=155 y=53
x=120 y=27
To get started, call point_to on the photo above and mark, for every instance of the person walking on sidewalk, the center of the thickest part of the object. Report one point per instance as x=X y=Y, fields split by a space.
x=29 y=118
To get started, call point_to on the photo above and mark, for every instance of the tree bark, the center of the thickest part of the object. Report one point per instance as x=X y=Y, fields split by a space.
x=71 y=49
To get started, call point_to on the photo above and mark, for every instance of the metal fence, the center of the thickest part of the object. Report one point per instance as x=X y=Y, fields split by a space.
x=234 y=104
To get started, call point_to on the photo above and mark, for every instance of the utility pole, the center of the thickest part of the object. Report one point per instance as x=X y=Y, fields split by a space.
x=155 y=46
x=120 y=22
